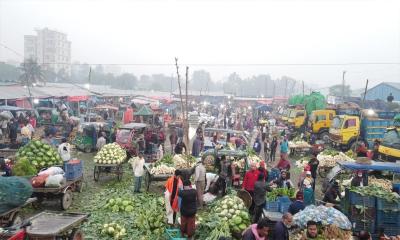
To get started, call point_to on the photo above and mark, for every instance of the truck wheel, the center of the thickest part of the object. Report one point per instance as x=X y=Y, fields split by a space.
x=87 y=149
x=324 y=136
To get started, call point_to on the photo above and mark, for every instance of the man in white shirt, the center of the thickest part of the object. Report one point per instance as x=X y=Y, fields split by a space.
x=101 y=141
x=137 y=167
x=200 y=181
x=64 y=151
x=211 y=179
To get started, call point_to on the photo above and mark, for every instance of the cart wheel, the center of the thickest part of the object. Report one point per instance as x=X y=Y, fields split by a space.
x=87 y=149
x=323 y=172
x=147 y=180
x=66 y=200
x=96 y=173
x=16 y=219
x=119 y=173
x=79 y=186
x=36 y=204
x=76 y=235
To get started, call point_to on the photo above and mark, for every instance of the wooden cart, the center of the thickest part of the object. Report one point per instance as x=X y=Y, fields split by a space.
x=12 y=216
x=148 y=177
x=53 y=225
x=63 y=193
x=107 y=169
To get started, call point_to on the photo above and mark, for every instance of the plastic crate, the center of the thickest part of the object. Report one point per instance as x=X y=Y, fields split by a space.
x=73 y=171
x=272 y=206
x=358 y=214
x=390 y=217
x=382 y=204
x=357 y=199
x=284 y=206
x=389 y=229
x=367 y=225
x=173 y=234
x=283 y=199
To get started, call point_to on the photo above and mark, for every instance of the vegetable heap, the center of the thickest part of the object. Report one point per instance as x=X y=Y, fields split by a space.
x=325 y=232
x=280 y=192
x=383 y=183
x=162 y=170
x=302 y=162
x=39 y=154
x=183 y=161
x=232 y=210
x=376 y=191
x=254 y=159
x=328 y=158
x=119 y=205
x=299 y=144
x=113 y=230
x=110 y=153
x=24 y=168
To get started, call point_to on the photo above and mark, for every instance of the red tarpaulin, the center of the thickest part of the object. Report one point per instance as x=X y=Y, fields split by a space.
x=77 y=98
x=23 y=103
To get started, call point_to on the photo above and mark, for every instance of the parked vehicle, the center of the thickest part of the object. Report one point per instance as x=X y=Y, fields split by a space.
x=389 y=149
x=131 y=137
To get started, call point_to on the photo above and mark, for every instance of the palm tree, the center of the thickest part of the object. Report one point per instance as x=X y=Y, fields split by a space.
x=31 y=73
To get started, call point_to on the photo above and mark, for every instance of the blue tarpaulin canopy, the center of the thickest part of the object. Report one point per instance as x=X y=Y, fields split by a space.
x=264 y=108
x=374 y=166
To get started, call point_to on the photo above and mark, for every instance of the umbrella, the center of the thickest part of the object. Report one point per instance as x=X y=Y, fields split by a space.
x=144 y=111
x=6 y=115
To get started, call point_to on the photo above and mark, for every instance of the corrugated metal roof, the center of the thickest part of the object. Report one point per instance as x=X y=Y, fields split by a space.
x=394 y=84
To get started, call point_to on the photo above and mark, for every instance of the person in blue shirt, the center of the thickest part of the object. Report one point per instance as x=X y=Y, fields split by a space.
x=309 y=198
x=284 y=147
x=297 y=205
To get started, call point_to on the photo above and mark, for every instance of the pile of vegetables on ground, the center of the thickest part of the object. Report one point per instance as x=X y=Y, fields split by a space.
x=329 y=158
x=228 y=215
x=141 y=215
x=40 y=155
x=383 y=183
x=280 y=192
x=376 y=191
x=302 y=162
x=111 y=153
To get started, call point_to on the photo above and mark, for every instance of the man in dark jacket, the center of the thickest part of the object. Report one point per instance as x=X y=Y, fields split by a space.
x=188 y=209
x=313 y=163
x=260 y=189
x=332 y=194
x=281 y=228
x=297 y=205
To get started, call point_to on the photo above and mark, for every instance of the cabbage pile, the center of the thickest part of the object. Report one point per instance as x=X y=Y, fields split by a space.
x=113 y=230
x=232 y=210
x=40 y=155
x=119 y=205
x=110 y=153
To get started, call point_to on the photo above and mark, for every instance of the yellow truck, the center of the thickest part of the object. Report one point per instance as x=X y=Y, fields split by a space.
x=345 y=129
x=297 y=118
x=389 y=149
x=319 y=123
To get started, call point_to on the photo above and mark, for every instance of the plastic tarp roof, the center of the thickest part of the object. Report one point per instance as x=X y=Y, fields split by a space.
x=144 y=111
x=374 y=166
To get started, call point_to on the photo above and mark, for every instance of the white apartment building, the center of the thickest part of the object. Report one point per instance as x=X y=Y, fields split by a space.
x=50 y=49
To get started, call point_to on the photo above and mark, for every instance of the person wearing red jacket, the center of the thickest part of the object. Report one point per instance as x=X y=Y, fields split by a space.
x=249 y=180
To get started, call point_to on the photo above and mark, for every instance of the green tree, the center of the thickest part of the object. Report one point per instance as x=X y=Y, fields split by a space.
x=9 y=73
x=31 y=73
x=337 y=90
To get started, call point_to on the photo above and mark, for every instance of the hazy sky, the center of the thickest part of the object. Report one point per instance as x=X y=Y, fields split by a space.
x=221 y=32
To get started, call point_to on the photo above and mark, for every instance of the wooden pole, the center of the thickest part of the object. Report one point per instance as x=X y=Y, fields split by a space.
x=179 y=86
x=186 y=113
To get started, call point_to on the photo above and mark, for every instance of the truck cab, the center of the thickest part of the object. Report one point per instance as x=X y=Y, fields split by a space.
x=389 y=149
x=297 y=118
x=344 y=131
x=319 y=123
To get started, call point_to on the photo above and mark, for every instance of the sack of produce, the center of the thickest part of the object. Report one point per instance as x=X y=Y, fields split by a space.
x=14 y=191
x=39 y=181
x=55 y=181
x=52 y=171
x=325 y=215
